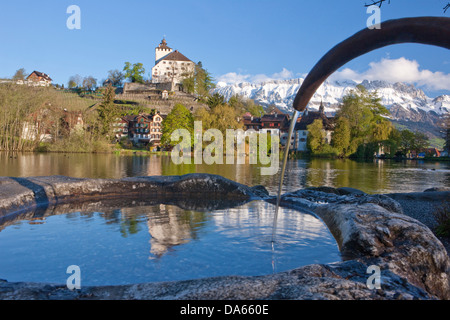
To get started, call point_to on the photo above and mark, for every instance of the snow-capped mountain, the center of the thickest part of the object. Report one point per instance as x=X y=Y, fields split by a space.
x=395 y=97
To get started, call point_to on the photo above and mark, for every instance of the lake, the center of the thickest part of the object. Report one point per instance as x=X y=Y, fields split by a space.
x=378 y=176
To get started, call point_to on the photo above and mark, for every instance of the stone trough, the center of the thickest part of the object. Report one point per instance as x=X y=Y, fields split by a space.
x=371 y=230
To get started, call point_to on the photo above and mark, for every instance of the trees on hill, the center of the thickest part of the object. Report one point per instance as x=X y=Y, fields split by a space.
x=134 y=72
x=200 y=82
x=107 y=111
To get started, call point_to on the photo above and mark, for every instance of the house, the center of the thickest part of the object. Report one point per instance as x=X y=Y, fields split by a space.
x=39 y=79
x=274 y=123
x=37 y=126
x=422 y=153
x=301 y=128
x=171 y=66
x=251 y=122
x=120 y=127
x=72 y=121
x=141 y=129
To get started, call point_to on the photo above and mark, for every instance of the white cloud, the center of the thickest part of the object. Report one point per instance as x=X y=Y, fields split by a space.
x=398 y=70
x=234 y=78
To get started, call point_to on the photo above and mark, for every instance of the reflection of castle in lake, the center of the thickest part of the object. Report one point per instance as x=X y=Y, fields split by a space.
x=168 y=229
x=168 y=225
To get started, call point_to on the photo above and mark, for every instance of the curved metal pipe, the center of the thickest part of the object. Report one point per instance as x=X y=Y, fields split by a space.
x=424 y=30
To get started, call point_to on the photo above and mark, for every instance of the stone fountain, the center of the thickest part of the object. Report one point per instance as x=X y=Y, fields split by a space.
x=371 y=230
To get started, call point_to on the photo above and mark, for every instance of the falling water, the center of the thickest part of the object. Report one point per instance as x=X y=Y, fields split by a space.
x=283 y=169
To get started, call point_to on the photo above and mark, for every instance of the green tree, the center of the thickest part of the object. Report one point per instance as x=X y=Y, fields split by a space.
x=316 y=136
x=366 y=119
x=420 y=141
x=200 y=82
x=243 y=105
x=341 y=136
x=412 y=141
x=215 y=100
x=179 y=118
x=134 y=72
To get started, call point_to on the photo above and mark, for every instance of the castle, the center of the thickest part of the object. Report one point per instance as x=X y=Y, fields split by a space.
x=170 y=69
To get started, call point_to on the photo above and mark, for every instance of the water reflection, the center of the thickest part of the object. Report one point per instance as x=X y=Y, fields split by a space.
x=372 y=177
x=157 y=242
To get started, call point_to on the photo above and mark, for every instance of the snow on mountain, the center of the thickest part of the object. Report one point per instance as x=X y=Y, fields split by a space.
x=406 y=102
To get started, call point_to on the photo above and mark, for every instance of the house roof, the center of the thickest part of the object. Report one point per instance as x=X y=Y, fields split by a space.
x=176 y=56
x=274 y=117
x=309 y=117
x=41 y=75
x=149 y=117
x=252 y=120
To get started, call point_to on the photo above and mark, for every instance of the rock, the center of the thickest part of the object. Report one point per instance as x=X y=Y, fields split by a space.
x=324 y=189
x=18 y=194
x=437 y=189
x=372 y=234
x=260 y=191
x=346 y=191
x=370 y=230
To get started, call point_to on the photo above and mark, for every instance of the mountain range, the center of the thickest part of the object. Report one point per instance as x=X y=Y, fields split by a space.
x=409 y=106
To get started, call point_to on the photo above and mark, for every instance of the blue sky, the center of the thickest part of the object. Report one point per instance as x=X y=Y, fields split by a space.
x=249 y=40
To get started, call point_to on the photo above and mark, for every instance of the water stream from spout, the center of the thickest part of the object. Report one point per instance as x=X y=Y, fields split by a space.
x=283 y=169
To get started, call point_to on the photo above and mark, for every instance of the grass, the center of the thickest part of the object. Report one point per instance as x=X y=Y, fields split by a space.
x=442 y=215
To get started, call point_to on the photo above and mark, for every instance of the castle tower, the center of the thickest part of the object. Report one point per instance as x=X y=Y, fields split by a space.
x=161 y=51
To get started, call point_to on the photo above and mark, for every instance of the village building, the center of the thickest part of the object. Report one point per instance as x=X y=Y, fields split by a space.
x=301 y=128
x=143 y=129
x=38 y=79
x=72 y=121
x=251 y=122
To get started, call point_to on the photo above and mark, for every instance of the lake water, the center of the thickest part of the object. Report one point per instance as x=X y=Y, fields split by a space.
x=378 y=176
x=146 y=243
x=156 y=243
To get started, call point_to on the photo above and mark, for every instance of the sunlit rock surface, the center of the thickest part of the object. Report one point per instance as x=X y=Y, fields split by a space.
x=371 y=230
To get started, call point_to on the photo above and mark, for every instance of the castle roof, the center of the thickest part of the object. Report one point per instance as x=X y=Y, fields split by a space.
x=163 y=45
x=176 y=56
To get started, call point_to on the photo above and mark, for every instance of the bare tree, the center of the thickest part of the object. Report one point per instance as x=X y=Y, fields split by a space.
x=20 y=74
x=379 y=3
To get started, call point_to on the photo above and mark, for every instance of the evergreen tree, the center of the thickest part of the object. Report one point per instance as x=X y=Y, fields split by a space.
x=215 y=100
x=200 y=83
x=107 y=111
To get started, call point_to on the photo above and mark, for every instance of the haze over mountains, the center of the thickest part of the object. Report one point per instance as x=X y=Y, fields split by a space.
x=410 y=107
